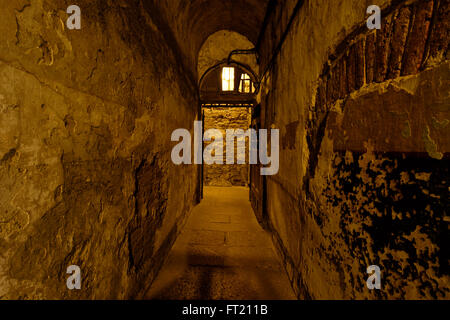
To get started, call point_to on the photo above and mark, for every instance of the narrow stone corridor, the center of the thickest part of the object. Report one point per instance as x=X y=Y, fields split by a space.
x=224 y=149
x=222 y=254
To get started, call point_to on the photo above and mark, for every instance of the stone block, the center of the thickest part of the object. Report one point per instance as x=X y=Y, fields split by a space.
x=418 y=36
x=370 y=57
x=440 y=33
x=383 y=42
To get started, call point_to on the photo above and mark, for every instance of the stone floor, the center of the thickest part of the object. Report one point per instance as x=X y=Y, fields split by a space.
x=222 y=253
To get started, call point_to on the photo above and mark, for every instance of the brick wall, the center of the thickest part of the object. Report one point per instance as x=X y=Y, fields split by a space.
x=363 y=173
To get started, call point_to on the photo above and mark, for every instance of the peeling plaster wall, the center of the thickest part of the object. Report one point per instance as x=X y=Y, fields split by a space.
x=85 y=170
x=217 y=48
x=364 y=119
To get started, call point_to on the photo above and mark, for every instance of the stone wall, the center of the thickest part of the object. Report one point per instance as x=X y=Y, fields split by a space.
x=85 y=123
x=223 y=118
x=364 y=119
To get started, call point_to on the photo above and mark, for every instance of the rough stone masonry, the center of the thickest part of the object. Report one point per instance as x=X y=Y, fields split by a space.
x=223 y=118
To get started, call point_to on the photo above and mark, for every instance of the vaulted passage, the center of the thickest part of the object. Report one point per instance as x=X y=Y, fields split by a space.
x=344 y=152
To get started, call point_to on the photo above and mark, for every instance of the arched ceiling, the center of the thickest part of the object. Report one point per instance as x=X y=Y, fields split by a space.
x=218 y=47
x=191 y=22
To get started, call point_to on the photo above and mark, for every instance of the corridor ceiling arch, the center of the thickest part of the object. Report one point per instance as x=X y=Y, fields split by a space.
x=244 y=84
x=218 y=46
x=196 y=20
